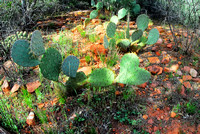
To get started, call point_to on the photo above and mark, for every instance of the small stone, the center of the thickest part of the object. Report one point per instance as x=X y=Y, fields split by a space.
x=165 y=60
x=143 y=85
x=166 y=69
x=169 y=46
x=186 y=68
x=15 y=88
x=174 y=68
x=31 y=119
x=173 y=114
x=179 y=72
x=183 y=91
x=196 y=80
x=5 y=87
x=145 y=116
x=153 y=60
x=155 y=48
x=187 y=84
x=160 y=41
x=31 y=86
x=193 y=72
x=187 y=77
x=155 y=69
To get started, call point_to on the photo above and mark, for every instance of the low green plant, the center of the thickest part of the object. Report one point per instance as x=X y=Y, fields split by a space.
x=191 y=108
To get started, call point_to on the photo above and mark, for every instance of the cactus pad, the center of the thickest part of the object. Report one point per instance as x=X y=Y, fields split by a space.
x=114 y=19
x=21 y=55
x=99 y=5
x=123 y=44
x=37 y=45
x=111 y=29
x=101 y=77
x=105 y=42
x=122 y=13
x=86 y=22
x=74 y=83
x=136 y=9
x=142 y=22
x=112 y=43
x=130 y=72
x=153 y=36
x=93 y=14
x=70 y=66
x=51 y=64
x=136 y=35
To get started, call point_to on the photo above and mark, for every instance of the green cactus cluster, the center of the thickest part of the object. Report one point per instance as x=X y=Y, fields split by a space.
x=14 y=37
x=137 y=40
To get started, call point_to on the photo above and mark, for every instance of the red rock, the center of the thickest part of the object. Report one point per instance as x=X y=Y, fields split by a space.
x=143 y=85
x=154 y=84
x=187 y=84
x=158 y=53
x=183 y=91
x=187 y=77
x=155 y=69
x=166 y=69
x=198 y=128
x=86 y=70
x=5 y=87
x=31 y=86
x=160 y=41
x=165 y=60
x=196 y=80
x=169 y=46
x=153 y=60
x=15 y=88
x=186 y=68
x=150 y=121
x=155 y=48
x=174 y=68
x=31 y=119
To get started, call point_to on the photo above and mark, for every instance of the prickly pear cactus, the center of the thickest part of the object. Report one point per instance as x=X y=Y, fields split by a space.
x=93 y=14
x=122 y=13
x=73 y=83
x=99 y=5
x=101 y=77
x=130 y=72
x=70 y=66
x=136 y=35
x=51 y=64
x=124 y=44
x=21 y=55
x=37 y=45
x=114 y=19
x=112 y=43
x=86 y=22
x=111 y=29
x=105 y=42
x=136 y=9
x=142 y=22
x=153 y=36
